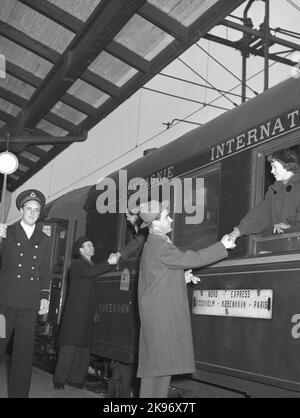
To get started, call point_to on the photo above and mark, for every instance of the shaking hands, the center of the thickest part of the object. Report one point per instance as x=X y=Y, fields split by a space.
x=114 y=258
x=228 y=242
x=189 y=277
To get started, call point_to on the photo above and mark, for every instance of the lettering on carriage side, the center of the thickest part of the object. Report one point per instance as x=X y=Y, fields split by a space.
x=269 y=129
x=113 y=308
x=296 y=328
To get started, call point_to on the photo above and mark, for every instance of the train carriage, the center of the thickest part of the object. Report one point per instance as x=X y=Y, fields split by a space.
x=245 y=311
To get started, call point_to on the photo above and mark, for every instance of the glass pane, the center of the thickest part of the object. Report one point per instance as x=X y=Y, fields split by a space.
x=203 y=229
x=103 y=229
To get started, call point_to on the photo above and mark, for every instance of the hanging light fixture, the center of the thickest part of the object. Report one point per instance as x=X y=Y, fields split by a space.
x=8 y=163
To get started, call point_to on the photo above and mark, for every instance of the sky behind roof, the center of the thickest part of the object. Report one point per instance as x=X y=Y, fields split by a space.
x=138 y=124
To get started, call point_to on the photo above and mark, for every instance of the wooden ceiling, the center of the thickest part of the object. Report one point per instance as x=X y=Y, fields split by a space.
x=69 y=63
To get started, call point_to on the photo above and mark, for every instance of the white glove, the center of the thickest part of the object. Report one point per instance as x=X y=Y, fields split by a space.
x=114 y=258
x=228 y=242
x=3 y=230
x=280 y=228
x=189 y=277
x=44 y=307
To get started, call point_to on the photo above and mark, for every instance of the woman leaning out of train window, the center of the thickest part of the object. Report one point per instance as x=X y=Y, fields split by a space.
x=280 y=210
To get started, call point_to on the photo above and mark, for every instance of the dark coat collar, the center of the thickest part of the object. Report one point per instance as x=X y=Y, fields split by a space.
x=278 y=185
x=19 y=234
x=82 y=258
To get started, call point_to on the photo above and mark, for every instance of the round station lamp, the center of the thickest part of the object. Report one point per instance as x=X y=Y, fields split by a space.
x=8 y=163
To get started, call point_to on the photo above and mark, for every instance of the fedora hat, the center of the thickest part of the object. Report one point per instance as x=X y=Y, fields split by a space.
x=79 y=243
x=150 y=211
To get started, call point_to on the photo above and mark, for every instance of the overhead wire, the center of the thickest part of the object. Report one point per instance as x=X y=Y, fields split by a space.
x=294 y=5
x=208 y=82
x=183 y=98
x=197 y=84
x=157 y=135
x=224 y=67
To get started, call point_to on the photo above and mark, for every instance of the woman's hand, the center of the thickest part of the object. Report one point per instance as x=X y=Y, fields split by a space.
x=189 y=277
x=280 y=228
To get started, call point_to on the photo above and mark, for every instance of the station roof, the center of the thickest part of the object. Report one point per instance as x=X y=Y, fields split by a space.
x=69 y=63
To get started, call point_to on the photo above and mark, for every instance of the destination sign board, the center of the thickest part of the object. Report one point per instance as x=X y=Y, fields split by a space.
x=247 y=303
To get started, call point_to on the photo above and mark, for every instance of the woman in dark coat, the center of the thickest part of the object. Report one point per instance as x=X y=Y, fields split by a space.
x=77 y=325
x=166 y=344
x=280 y=209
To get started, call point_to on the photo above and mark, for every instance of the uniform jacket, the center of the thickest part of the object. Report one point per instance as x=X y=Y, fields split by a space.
x=281 y=204
x=166 y=345
x=20 y=282
x=77 y=322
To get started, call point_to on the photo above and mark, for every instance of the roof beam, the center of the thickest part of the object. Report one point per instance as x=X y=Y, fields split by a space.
x=12 y=97
x=50 y=117
x=108 y=19
x=43 y=140
x=49 y=156
x=62 y=123
x=24 y=161
x=129 y=57
x=6 y=117
x=20 y=38
x=56 y=14
x=35 y=81
x=214 y=15
x=100 y=83
x=197 y=30
x=163 y=21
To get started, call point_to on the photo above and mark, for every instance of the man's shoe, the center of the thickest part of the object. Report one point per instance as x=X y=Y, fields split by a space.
x=76 y=385
x=58 y=386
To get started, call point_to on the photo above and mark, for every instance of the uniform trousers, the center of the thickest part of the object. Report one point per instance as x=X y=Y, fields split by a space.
x=22 y=322
x=72 y=364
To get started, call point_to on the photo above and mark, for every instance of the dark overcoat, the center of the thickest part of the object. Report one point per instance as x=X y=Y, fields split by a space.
x=166 y=344
x=281 y=204
x=134 y=247
x=77 y=322
x=20 y=280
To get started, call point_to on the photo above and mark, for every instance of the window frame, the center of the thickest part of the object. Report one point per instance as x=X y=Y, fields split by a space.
x=258 y=186
x=201 y=172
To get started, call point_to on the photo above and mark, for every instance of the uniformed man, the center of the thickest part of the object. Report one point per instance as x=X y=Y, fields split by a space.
x=22 y=290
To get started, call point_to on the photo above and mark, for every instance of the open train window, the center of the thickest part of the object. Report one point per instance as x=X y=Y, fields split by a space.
x=203 y=229
x=269 y=242
x=104 y=231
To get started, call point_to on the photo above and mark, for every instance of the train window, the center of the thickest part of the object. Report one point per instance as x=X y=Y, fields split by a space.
x=269 y=242
x=104 y=231
x=203 y=229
